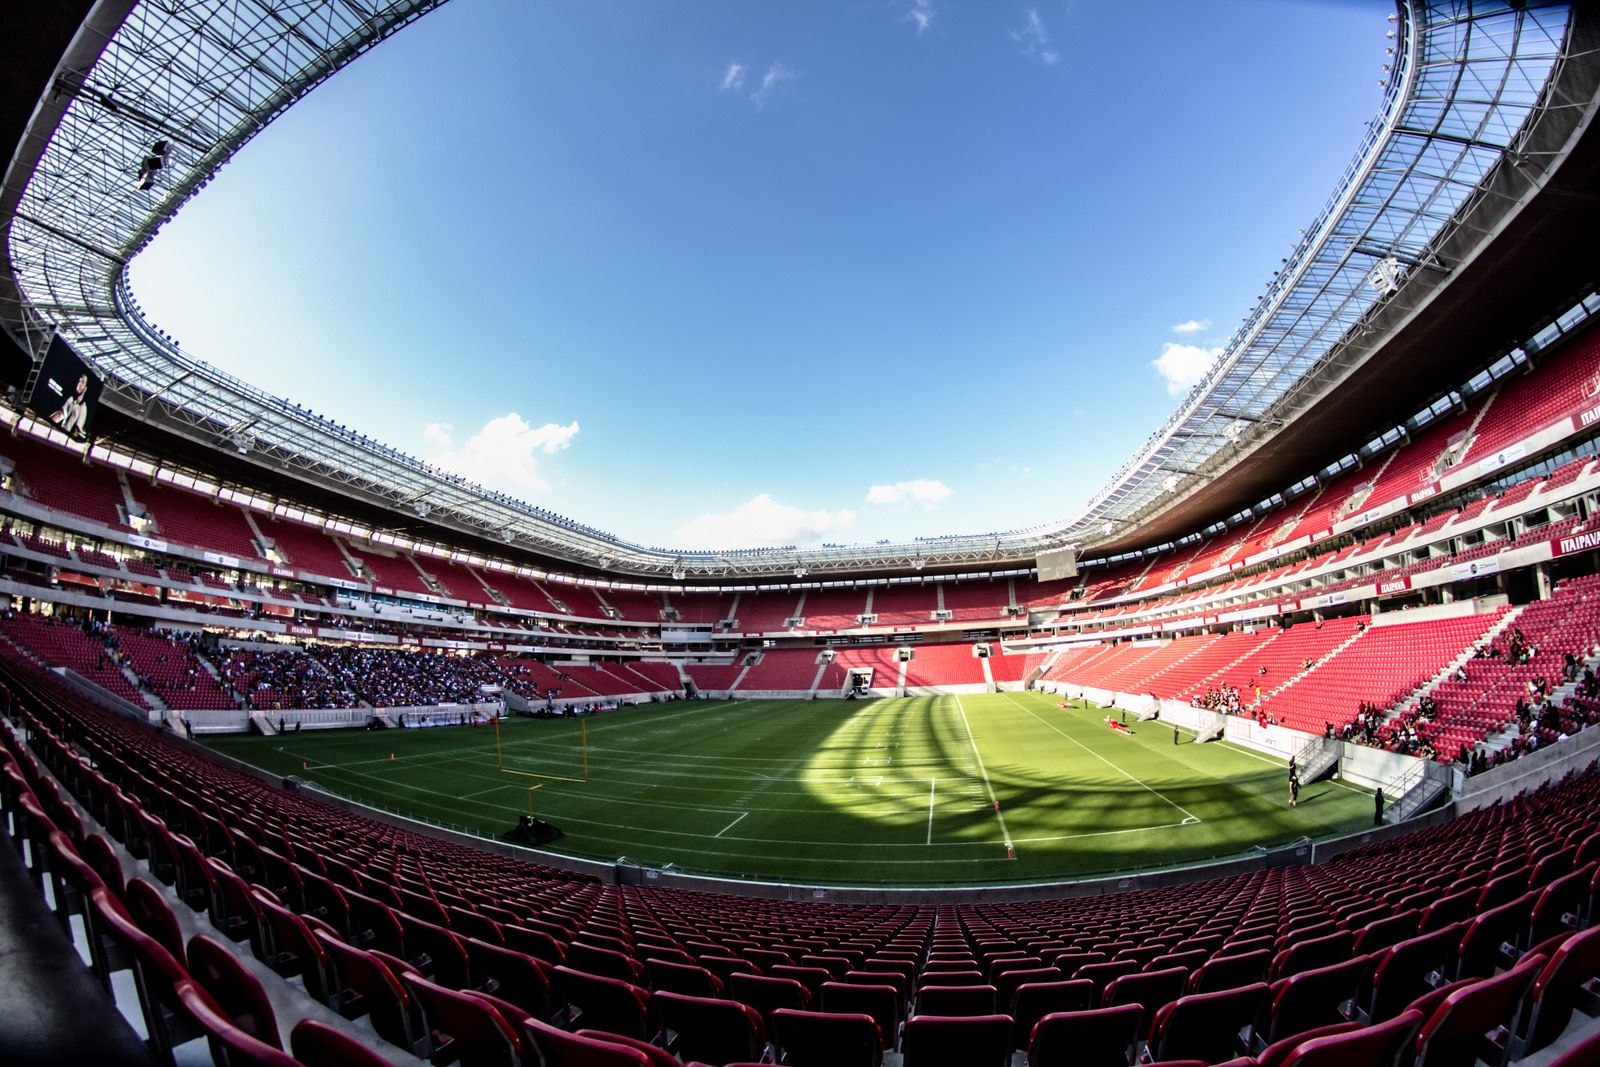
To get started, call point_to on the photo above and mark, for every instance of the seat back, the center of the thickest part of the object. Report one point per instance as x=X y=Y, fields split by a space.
x=880 y=1002
x=1312 y=998
x=1455 y=1034
x=1006 y=983
x=607 y=1004
x=233 y=906
x=767 y=994
x=1555 y=988
x=608 y=963
x=1562 y=897
x=231 y=1045
x=1378 y=1045
x=365 y=986
x=156 y=974
x=71 y=877
x=149 y=908
x=100 y=855
x=828 y=1039
x=291 y=950
x=236 y=991
x=1151 y=989
x=559 y=1048
x=316 y=1044
x=1100 y=1037
x=683 y=978
x=1230 y=972
x=463 y=1027
x=1274 y=1055
x=1311 y=954
x=1103 y=974
x=1035 y=1000
x=957 y=1041
x=1479 y=953
x=1381 y=933
x=712 y=1029
x=1401 y=973
x=1206 y=1026
x=953 y=1000
x=510 y=974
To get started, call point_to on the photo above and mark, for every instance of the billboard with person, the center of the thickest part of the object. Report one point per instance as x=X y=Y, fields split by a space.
x=66 y=392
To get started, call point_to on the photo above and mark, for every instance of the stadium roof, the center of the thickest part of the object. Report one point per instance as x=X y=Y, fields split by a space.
x=187 y=83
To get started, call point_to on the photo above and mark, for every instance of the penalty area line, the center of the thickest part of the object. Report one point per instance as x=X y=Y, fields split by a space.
x=1188 y=815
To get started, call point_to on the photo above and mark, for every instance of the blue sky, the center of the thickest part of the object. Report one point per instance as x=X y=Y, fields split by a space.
x=727 y=274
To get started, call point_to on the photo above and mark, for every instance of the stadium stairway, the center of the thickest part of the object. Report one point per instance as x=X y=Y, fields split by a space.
x=1340 y=647
x=1317 y=757
x=1489 y=637
x=1415 y=791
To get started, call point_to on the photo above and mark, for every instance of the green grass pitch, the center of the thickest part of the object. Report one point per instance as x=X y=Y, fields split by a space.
x=874 y=792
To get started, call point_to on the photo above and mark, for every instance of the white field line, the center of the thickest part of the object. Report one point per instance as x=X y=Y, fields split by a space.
x=730 y=826
x=932 y=782
x=1005 y=833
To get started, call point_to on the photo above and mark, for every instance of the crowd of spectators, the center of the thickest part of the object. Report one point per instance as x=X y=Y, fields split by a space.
x=390 y=678
x=270 y=681
x=1224 y=699
x=1368 y=727
x=332 y=677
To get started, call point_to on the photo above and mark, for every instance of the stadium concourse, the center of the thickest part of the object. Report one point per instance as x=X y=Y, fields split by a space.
x=1364 y=546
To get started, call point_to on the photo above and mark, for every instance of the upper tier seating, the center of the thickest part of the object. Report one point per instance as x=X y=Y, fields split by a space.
x=971 y=601
x=903 y=605
x=765 y=612
x=578 y=600
x=637 y=606
x=459 y=582
x=193 y=520
x=703 y=609
x=519 y=592
x=1558 y=389
x=306 y=548
x=395 y=572
x=834 y=609
x=61 y=480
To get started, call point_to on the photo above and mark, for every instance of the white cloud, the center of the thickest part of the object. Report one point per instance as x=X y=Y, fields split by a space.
x=776 y=75
x=1192 y=326
x=919 y=13
x=762 y=522
x=733 y=79
x=1033 y=40
x=929 y=493
x=1184 y=365
x=504 y=454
